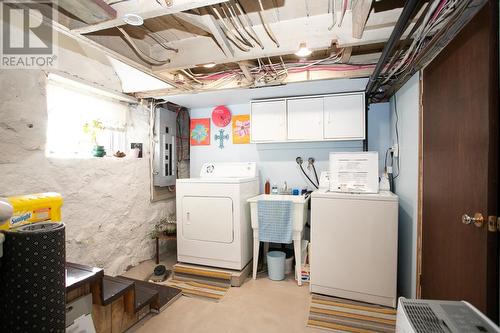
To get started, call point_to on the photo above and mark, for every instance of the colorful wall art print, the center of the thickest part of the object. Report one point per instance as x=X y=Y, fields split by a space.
x=241 y=129
x=200 y=132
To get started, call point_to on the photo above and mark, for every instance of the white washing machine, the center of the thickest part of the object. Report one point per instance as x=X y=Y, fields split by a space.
x=354 y=246
x=213 y=216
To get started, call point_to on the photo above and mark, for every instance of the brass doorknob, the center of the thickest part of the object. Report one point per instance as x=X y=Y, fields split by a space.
x=478 y=219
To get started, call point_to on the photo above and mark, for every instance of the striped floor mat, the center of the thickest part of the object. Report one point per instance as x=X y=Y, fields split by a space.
x=340 y=315
x=198 y=289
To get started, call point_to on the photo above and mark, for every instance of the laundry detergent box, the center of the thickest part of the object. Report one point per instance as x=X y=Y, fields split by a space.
x=33 y=208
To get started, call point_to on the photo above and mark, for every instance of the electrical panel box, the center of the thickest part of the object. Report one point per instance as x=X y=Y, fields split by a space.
x=164 y=168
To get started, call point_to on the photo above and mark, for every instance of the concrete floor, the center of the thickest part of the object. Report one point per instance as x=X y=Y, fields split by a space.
x=259 y=305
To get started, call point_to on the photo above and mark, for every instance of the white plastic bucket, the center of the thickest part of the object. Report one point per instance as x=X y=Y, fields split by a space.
x=276 y=265
x=289 y=265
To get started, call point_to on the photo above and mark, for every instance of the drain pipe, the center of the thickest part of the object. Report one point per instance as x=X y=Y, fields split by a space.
x=408 y=12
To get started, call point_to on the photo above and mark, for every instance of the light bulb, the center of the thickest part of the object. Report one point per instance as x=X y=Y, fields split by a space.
x=303 y=51
x=209 y=65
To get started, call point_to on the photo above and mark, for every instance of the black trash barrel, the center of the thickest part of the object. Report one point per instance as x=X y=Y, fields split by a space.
x=32 y=279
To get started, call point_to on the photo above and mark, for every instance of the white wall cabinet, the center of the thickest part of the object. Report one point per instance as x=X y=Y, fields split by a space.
x=314 y=118
x=344 y=117
x=268 y=119
x=305 y=119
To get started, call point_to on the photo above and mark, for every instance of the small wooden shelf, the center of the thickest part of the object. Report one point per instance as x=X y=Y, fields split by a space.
x=167 y=237
x=162 y=237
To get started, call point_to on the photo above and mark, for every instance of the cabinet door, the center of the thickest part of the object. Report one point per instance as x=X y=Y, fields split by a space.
x=268 y=121
x=305 y=119
x=344 y=117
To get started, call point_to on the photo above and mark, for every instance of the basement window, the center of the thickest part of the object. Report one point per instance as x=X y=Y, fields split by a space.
x=79 y=117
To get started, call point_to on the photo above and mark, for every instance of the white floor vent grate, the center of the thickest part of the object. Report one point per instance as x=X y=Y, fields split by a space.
x=423 y=318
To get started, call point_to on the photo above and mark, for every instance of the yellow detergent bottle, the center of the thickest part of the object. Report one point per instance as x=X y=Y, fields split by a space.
x=33 y=208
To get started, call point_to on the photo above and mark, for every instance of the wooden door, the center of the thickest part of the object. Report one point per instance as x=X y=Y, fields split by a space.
x=460 y=167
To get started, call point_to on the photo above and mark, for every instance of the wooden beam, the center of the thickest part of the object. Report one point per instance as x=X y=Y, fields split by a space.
x=346 y=55
x=312 y=30
x=79 y=38
x=147 y=10
x=360 y=11
x=89 y=11
x=292 y=77
x=383 y=6
x=369 y=58
x=246 y=72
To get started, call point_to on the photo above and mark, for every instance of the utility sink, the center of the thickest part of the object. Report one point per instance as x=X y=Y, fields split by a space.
x=300 y=204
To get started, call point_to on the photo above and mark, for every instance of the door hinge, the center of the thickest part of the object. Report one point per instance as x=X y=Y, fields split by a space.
x=493 y=223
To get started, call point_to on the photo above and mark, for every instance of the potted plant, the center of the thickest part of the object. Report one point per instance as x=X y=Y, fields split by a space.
x=92 y=129
x=167 y=226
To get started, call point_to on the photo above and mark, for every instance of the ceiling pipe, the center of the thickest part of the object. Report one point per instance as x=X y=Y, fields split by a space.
x=408 y=12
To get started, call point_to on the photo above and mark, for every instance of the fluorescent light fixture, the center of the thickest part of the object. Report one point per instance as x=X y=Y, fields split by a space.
x=209 y=65
x=303 y=51
x=133 y=19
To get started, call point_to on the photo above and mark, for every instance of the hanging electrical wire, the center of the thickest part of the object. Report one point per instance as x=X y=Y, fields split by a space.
x=397 y=137
x=227 y=31
x=331 y=9
x=230 y=23
x=437 y=14
x=236 y=25
x=251 y=31
x=267 y=28
x=280 y=70
x=147 y=58
x=306 y=3
x=283 y=66
x=162 y=41
x=344 y=9
x=192 y=77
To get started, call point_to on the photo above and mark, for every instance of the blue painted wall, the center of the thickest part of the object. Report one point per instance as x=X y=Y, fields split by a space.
x=406 y=184
x=276 y=162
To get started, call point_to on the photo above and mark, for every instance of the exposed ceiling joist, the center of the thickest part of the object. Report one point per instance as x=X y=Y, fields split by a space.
x=146 y=9
x=89 y=11
x=292 y=78
x=369 y=58
x=360 y=11
x=313 y=30
x=346 y=55
x=207 y=23
x=64 y=30
x=177 y=36
x=246 y=72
